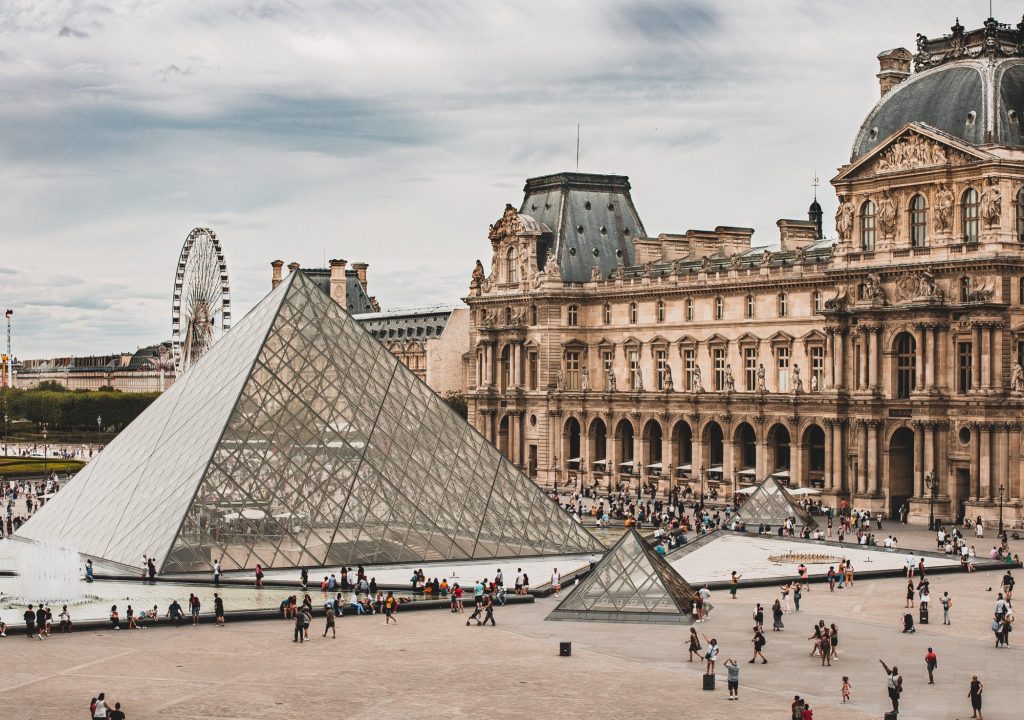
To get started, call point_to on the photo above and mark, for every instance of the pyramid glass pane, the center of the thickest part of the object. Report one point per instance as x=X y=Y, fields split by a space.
x=632 y=583
x=299 y=440
x=772 y=504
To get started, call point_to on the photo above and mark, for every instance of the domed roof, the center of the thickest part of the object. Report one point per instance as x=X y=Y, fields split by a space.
x=968 y=84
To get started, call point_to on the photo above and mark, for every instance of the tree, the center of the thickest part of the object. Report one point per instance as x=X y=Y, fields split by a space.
x=457 y=402
x=51 y=386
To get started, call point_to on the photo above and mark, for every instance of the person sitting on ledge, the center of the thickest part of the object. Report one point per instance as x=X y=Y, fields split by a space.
x=436 y=587
x=428 y=589
x=175 y=613
x=152 y=615
x=443 y=587
x=115 y=619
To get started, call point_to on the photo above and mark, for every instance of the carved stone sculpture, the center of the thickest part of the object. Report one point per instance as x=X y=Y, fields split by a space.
x=736 y=261
x=595 y=274
x=584 y=379
x=814 y=383
x=872 y=290
x=762 y=387
x=944 y=202
x=800 y=255
x=478 y=275
x=730 y=381
x=639 y=377
x=609 y=376
x=910 y=152
x=844 y=218
x=668 y=379
x=705 y=263
x=698 y=386
x=766 y=258
x=991 y=203
x=798 y=384
x=560 y=379
x=1017 y=379
x=887 y=215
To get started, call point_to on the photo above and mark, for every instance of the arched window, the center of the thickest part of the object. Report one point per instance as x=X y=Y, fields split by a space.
x=918 y=221
x=661 y=311
x=749 y=306
x=510 y=265
x=607 y=314
x=572 y=315
x=1019 y=206
x=867 y=226
x=689 y=308
x=906 y=365
x=969 y=212
x=632 y=313
x=816 y=297
x=783 y=305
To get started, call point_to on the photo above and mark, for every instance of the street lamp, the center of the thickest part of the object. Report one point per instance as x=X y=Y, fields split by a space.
x=702 y=486
x=99 y=429
x=6 y=420
x=933 y=485
x=1001 y=489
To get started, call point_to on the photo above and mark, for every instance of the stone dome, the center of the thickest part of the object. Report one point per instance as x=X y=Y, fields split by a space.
x=967 y=84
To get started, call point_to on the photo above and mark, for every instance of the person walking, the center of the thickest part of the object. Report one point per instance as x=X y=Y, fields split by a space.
x=759 y=617
x=846 y=689
x=216 y=573
x=298 y=634
x=102 y=707
x=777 y=616
x=556 y=581
x=947 y=603
x=825 y=645
x=910 y=595
x=931 y=661
x=259 y=575
x=194 y=606
x=218 y=609
x=894 y=685
x=785 y=597
x=975 y=695
x=389 y=608
x=488 y=609
x=694 y=644
x=759 y=642
x=733 y=669
x=329 y=615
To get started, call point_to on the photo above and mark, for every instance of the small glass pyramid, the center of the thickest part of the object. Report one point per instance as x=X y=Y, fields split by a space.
x=299 y=440
x=632 y=583
x=772 y=504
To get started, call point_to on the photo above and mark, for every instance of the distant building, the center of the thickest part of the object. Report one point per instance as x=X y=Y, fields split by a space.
x=146 y=370
x=431 y=340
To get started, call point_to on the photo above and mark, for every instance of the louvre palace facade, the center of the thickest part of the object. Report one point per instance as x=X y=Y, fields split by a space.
x=881 y=363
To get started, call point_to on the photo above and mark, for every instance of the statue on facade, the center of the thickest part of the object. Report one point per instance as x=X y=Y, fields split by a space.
x=814 y=383
x=944 y=202
x=736 y=262
x=560 y=379
x=667 y=381
x=766 y=258
x=478 y=275
x=798 y=384
x=844 y=218
x=705 y=263
x=872 y=290
x=551 y=268
x=584 y=379
x=730 y=381
x=991 y=203
x=595 y=274
x=800 y=255
x=618 y=273
x=638 y=378
x=762 y=387
x=887 y=214
x=1017 y=379
x=698 y=386
x=609 y=377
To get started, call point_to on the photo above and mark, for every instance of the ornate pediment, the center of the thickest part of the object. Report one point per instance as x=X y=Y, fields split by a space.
x=512 y=224
x=915 y=146
x=918 y=287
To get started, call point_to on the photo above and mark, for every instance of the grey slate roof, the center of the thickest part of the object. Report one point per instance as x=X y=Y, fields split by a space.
x=419 y=323
x=592 y=219
x=356 y=299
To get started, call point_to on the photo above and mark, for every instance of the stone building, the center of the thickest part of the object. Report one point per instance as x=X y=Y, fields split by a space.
x=148 y=369
x=429 y=340
x=882 y=365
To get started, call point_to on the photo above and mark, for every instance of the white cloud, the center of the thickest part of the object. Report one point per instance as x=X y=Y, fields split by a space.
x=393 y=133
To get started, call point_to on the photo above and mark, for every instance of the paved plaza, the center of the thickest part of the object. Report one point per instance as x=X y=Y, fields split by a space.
x=432 y=666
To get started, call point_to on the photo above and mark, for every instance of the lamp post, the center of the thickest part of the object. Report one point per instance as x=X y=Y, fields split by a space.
x=1001 y=489
x=6 y=420
x=45 y=454
x=99 y=429
x=932 y=484
x=702 y=486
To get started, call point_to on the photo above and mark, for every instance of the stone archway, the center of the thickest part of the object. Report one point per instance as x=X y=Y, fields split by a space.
x=744 y=449
x=571 y=445
x=714 y=443
x=779 y=450
x=813 y=460
x=503 y=437
x=626 y=447
x=900 y=480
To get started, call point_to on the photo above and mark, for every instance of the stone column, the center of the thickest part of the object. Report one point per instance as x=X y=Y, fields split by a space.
x=862 y=366
x=727 y=449
x=838 y=457
x=929 y=464
x=1013 y=481
x=829 y=468
x=995 y=364
x=761 y=453
x=975 y=489
x=1002 y=454
x=873 y=479
x=985 y=459
x=976 y=360
x=929 y=358
x=796 y=461
x=845 y=358
x=919 y=464
x=874 y=359
x=513 y=434
x=921 y=365
x=862 y=457
x=830 y=345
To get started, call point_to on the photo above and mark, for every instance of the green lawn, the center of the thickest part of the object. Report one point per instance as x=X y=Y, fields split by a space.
x=35 y=466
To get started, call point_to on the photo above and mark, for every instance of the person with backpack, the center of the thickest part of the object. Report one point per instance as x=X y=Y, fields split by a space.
x=947 y=603
x=759 y=642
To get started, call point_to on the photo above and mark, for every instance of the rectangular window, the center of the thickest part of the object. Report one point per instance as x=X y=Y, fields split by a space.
x=783 y=305
x=817 y=368
x=607 y=314
x=634 y=370
x=661 y=359
x=573 y=315
x=606 y=365
x=750 y=306
x=689 y=309
x=750 y=369
x=532 y=362
x=719 y=361
x=572 y=371
x=965 y=361
x=782 y=365
x=689 y=364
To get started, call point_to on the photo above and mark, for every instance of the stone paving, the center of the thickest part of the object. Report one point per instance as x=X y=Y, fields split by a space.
x=432 y=666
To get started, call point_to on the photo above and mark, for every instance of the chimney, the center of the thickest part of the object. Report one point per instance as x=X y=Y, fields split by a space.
x=338 y=294
x=275 y=279
x=292 y=267
x=893 y=68
x=360 y=269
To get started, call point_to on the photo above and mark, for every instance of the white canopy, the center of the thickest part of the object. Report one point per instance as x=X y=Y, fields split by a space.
x=600 y=462
x=781 y=473
x=748 y=472
x=247 y=513
x=716 y=468
x=575 y=460
x=747 y=490
x=805 y=491
x=654 y=466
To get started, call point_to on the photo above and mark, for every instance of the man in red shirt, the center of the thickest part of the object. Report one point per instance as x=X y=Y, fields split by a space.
x=932 y=661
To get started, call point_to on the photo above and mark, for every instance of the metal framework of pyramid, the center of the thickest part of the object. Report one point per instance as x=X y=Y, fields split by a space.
x=632 y=583
x=772 y=504
x=298 y=440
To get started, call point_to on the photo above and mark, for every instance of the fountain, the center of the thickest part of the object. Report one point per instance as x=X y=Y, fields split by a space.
x=49 y=574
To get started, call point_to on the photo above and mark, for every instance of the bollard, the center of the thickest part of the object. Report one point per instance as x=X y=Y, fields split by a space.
x=565 y=649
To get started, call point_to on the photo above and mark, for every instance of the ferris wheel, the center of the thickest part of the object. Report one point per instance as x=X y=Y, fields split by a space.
x=201 y=308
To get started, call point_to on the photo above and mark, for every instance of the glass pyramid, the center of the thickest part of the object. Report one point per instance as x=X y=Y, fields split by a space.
x=632 y=583
x=772 y=504
x=299 y=440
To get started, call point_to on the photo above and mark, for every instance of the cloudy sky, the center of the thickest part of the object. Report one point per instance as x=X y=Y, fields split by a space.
x=394 y=132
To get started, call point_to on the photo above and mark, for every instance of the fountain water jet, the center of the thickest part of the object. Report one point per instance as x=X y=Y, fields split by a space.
x=49 y=574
